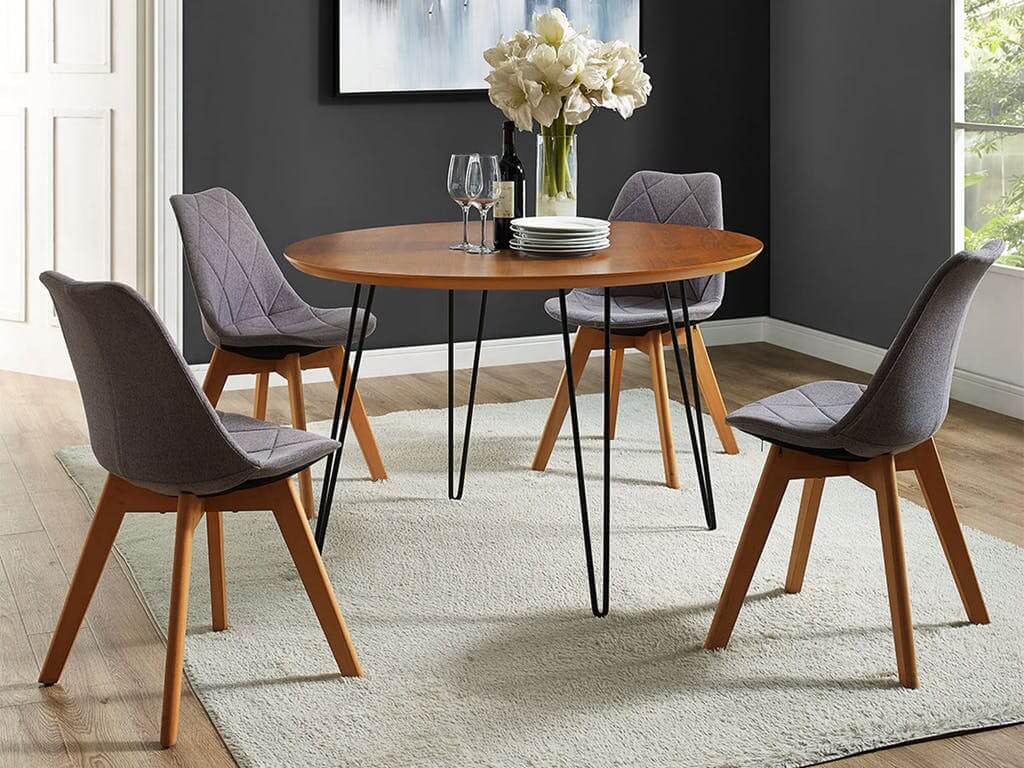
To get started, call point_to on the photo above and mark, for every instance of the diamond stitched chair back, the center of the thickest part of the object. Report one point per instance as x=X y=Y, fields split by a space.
x=691 y=199
x=638 y=312
x=837 y=428
x=167 y=450
x=256 y=321
x=148 y=420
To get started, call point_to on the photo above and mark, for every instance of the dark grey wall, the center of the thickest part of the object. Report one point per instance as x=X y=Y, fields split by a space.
x=860 y=160
x=262 y=118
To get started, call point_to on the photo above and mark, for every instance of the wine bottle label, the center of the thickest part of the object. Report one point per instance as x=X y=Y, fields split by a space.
x=505 y=208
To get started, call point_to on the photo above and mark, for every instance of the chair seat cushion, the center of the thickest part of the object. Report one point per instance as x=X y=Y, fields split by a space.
x=296 y=327
x=804 y=416
x=277 y=450
x=628 y=312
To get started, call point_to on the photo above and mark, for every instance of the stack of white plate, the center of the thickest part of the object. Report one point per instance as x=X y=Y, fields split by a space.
x=560 y=235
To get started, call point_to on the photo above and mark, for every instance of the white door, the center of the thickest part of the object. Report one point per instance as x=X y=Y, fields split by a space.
x=70 y=143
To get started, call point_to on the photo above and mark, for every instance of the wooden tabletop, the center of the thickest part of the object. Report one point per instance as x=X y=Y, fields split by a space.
x=417 y=256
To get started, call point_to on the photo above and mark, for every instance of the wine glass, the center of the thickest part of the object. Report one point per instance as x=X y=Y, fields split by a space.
x=458 y=167
x=483 y=182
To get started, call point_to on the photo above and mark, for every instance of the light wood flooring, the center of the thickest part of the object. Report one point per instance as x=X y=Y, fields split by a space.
x=106 y=710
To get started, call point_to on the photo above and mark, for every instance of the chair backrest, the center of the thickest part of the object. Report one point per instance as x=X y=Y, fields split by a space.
x=149 y=422
x=906 y=400
x=233 y=273
x=693 y=199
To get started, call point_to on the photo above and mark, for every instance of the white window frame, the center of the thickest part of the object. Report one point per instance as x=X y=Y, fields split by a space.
x=960 y=127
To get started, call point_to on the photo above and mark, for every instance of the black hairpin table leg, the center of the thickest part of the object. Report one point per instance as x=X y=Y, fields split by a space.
x=697 y=441
x=452 y=493
x=602 y=608
x=338 y=432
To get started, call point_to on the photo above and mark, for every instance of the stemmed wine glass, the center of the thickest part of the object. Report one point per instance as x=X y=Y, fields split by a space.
x=483 y=182
x=458 y=169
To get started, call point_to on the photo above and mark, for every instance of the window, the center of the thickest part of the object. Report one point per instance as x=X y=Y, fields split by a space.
x=988 y=98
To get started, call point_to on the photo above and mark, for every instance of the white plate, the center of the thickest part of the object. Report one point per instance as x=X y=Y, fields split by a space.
x=569 y=237
x=560 y=224
x=521 y=246
x=573 y=241
x=560 y=247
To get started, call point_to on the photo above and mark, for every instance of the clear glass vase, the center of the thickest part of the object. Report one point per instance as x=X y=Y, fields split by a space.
x=556 y=170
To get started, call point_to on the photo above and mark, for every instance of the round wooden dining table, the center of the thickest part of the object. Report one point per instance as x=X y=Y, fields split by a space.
x=418 y=256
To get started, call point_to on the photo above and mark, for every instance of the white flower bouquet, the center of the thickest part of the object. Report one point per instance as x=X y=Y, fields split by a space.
x=557 y=76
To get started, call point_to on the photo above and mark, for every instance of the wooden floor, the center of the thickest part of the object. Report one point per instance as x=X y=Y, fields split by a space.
x=106 y=711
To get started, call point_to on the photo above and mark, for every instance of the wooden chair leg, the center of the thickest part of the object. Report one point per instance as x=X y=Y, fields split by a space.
x=933 y=484
x=763 y=510
x=218 y=578
x=216 y=377
x=895 y=569
x=299 y=540
x=190 y=508
x=708 y=384
x=260 y=395
x=662 y=402
x=809 y=503
x=360 y=422
x=618 y=357
x=297 y=400
x=98 y=542
x=584 y=343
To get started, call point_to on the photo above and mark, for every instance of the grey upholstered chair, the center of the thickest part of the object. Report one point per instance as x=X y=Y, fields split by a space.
x=256 y=322
x=166 y=450
x=835 y=428
x=638 y=312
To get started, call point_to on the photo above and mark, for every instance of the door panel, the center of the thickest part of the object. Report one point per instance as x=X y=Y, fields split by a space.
x=69 y=161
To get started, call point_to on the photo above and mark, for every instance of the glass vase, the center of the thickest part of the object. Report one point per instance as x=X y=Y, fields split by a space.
x=556 y=171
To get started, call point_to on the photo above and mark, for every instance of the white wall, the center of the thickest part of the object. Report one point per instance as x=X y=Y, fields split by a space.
x=993 y=342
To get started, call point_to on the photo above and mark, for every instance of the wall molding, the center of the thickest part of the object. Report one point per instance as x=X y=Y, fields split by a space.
x=982 y=391
x=975 y=389
x=167 y=164
x=432 y=358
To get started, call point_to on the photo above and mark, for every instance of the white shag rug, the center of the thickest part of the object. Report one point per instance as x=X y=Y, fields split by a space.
x=472 y=621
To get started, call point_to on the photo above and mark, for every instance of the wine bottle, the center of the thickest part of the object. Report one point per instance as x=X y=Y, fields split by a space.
x=512 y=203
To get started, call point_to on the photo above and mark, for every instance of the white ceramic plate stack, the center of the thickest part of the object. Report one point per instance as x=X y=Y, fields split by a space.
x=560 y=235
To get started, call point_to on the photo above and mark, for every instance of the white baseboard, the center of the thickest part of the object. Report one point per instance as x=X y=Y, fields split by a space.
x=985 y=392
x=430 y=358
x=975 y=389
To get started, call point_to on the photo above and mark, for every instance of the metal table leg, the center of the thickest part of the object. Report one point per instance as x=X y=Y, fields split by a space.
x=602 y=608
x=334 y=459
x=452 y=493
x=697 y=441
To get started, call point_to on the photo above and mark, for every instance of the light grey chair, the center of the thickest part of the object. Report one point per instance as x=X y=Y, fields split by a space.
x=638 y=318
x=256 y=321
x=166 y=450
x=836 y=428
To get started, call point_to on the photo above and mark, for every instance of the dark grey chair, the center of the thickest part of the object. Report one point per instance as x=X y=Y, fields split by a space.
x=256 y=322
x=836 y=428
x=167 y=450
x=638 y=318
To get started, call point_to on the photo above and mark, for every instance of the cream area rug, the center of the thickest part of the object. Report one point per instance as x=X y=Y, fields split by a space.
x=472 y=621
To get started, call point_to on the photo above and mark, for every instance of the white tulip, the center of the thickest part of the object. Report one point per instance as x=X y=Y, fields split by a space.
x=577 y=107
x=516 y=46
x=553 y=26
x=555 y=71
x=515 y=95
x=572 y=56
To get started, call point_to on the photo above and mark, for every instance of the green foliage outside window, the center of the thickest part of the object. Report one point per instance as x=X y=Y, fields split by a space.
x=994 y=94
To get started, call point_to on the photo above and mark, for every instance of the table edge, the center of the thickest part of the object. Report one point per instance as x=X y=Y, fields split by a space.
x=526 y=283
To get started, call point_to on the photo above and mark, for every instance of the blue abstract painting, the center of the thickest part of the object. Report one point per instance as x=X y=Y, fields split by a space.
x=437 y=45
